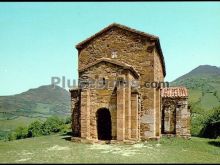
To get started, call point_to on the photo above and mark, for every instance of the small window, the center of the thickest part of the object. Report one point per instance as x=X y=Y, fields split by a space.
x=114 y=54
x=103 y=81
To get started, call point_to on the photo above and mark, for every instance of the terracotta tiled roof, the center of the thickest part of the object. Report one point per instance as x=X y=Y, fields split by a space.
x=150 y=36
x=112 y=61
x=174 y=92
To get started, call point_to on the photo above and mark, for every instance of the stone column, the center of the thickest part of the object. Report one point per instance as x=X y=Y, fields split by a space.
x=134 y=116
x=85 y=113
x=120 y=112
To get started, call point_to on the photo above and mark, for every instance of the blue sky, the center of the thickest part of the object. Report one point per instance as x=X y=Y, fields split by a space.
x=37 y=40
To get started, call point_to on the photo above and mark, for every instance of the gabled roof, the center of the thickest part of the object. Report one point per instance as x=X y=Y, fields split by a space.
x=173 y=92
x=149 y=36
x=112 y=61
x=79 y=45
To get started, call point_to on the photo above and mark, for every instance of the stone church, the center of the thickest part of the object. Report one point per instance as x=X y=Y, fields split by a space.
x=112 y=101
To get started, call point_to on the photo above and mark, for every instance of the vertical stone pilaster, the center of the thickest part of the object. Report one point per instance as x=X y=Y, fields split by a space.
x=157 y=111
x=184 y=119
x=139 y=114
x=154 y=130
x=113 y=110
x=178 y=120
x=85 y=113
x=134 y=116
x=93 y=124
x=120 y=113
x=128 y=108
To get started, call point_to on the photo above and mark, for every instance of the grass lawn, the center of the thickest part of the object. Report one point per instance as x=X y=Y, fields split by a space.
x=55 y=149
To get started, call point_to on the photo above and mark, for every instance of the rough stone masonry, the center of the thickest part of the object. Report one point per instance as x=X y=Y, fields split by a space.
x=115 y=56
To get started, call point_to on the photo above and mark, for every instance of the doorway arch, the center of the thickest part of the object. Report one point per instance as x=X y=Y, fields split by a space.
x=104 y=124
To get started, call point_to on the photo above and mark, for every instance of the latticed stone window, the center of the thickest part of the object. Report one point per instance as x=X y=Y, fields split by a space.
x=114 y=54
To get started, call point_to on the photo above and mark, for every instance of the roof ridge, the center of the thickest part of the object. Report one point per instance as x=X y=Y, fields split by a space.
x=120 y=26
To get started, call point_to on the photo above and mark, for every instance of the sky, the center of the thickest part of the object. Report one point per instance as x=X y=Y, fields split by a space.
x=37 y=39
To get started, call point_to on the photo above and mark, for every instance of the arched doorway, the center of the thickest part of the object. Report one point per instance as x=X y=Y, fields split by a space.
x=104 y=124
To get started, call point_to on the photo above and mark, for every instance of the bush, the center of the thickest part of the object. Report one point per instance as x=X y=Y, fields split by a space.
x=18 y=133
x=196 y=124
x=68 y=120
x=197 y=118
x=211 y=124
x=203 y=121
x=35 y=129
x=11 y=136
x=52 y=125
x=21 y=132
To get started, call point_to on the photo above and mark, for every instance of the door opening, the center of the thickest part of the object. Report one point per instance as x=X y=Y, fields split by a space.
x=104 y=124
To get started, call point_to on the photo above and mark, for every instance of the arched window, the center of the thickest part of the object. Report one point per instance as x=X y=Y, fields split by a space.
x=103 y=81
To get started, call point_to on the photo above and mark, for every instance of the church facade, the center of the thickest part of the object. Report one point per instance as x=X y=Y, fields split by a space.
x=112 y=101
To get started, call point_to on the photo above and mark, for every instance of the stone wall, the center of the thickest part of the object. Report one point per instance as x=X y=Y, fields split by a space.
x=183 y=118
x=139 y=52
x=75 y=108
x=110 y=97
x=176 y=117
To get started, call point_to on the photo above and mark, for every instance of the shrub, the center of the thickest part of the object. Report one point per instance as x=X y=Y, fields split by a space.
x=68 y=120
x=11 y=136
x=197 y=117
x=18 y=133
x=35 y=129
x=21 y=132
x=211 y=124
x=196 y=124
x=52 y=125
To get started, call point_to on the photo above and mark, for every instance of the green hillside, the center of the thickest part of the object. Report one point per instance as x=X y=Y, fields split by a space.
x=203 y=83
x=38 y=103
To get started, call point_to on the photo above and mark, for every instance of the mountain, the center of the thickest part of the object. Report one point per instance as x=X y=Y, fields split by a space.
x=203 y=83
x=42 y=101
x=38 y=103
x=202 y=71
